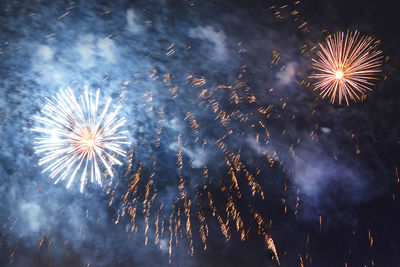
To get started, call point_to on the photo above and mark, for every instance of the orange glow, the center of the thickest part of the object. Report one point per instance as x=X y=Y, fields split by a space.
x=339 y=74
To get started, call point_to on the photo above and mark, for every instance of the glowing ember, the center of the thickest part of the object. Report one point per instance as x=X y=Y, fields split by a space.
x=339 y=74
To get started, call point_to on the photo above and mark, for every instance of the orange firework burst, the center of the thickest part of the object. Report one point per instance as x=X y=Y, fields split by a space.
x=346 y=66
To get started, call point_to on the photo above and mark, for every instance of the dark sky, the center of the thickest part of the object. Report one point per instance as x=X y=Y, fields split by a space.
x=230 y=151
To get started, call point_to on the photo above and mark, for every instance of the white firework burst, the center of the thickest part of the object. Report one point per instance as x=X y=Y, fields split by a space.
x=75 y=139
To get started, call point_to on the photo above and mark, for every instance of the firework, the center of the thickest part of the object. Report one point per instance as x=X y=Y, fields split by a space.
x=346 y=66
x=75 y=138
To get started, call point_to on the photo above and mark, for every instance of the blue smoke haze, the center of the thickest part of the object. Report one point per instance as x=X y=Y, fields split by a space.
x=136 y=53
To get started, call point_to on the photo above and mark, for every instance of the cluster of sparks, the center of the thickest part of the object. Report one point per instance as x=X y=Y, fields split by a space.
x=346 y=66
x=76 y=139
x=173 y=221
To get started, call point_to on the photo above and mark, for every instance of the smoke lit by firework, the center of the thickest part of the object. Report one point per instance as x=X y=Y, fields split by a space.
x=217 y=154
x=346 y=66
x=78 y=137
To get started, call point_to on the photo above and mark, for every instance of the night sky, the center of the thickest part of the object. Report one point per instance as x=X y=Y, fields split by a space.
x=234 y=159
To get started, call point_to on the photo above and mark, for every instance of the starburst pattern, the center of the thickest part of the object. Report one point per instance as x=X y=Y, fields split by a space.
x=346 y=66
x=75 y=138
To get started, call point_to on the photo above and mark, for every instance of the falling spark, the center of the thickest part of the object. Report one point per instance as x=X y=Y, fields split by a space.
x=346 y=66
x=77 y=137
x=187 y=217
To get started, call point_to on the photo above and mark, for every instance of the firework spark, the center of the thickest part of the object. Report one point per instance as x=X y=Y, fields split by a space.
x=76 y=137
x=346 y=66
